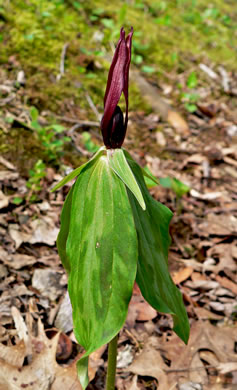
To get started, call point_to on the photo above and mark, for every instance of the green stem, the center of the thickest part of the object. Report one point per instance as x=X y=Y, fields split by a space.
x=112 y=359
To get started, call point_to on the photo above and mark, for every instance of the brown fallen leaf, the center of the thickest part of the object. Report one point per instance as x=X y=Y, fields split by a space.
x=18 y=260
x=178 y=123
x=225 y=253
x=95 y=361
x=43 y=230
x=227 y=283
x=8 y=175
x=204 y=314
x=133 y=384
x=225 y=368
x=63 y=319
x=198 y=276
x=139 y=309
x=203 y=337
x=150 y=363
x=42 y=371
x=218 y=225
x=159 y=105
x=202 y=284
x=209 y=110
x=14 y=354
x=47 y=281
x=183 y=274
x=4 y=200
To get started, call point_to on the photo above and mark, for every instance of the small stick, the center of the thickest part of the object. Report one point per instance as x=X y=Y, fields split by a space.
x=76 y=121
x=62 y=61
x=93 y=107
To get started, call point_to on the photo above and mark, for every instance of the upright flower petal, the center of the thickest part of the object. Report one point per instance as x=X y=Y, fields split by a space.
x=113 y=126
x=126 y=80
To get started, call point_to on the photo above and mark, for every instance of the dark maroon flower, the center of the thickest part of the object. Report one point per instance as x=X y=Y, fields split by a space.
x=113 y=125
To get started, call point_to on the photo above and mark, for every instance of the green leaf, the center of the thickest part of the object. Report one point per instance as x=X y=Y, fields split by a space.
x=57 y=128
x=176 y=185
x=102 y=253
x=120 y=166
x=64 y=230
x=78 y=170
x=147 y=69
x=153 y=276
x=150 y=180
x=17 y=200
x=148 y=176
x=192 y=80
x=109 y=23
x=35 y=125
x=34 y=113
x=190 y=107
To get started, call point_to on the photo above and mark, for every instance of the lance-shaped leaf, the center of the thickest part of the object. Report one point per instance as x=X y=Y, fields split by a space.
x=102 y=253
x=78 y=170
x=120 y=166
x=153 y=275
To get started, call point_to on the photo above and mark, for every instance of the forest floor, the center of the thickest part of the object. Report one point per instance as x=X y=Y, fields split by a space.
x=182 y=127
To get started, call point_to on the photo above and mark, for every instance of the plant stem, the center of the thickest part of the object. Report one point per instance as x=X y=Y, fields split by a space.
x=112 y=359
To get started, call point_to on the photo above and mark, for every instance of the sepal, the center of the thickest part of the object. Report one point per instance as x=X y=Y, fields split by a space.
x=121 y=167
x=78 y=170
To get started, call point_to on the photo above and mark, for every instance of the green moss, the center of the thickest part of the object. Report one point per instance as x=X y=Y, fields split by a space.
x=168 y=36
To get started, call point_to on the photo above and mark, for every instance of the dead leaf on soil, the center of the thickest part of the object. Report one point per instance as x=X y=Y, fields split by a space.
x=182 y=275
x=225 y=253
x=42 y=371
x=63 y=319
x=219 y=342
x=178 y=123
x=4 y=200
x=47 y=282
x=139 y=309
x=218 y=225
x=16 y=261
x=227 y=284
x=43 y=230
x=150 y=363
x=204 y=314
x=125 y=356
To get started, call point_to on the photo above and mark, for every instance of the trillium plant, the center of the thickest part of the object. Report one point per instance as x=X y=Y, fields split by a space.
x=114 y=233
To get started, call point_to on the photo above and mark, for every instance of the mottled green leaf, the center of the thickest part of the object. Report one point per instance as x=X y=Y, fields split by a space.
x=64 y=230
x=153 y=275
x=78 y=170
x=102 y=253
x=120 y=166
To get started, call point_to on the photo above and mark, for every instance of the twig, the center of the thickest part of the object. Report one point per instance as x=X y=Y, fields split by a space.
x=80 y=123
x=208 y=71
x=7 y=100
x=189 y=369
x=225 y=79
x=78 y=148
x=62 y=61
x=179 y=150
x=93 y=107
